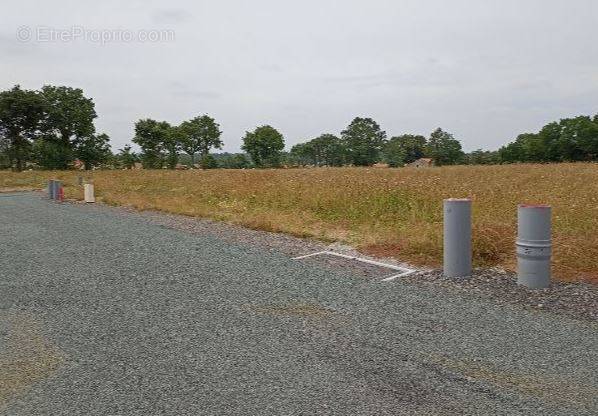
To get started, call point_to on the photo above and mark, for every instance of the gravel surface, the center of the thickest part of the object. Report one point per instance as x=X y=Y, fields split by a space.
x=579 y=300
x=109 y=312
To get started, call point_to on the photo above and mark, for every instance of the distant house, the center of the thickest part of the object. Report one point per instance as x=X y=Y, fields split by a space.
x=78 y=164
x=424 y=162
x=380 y=165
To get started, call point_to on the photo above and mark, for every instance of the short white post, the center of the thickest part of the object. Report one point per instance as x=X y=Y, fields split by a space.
x=89 y=193
x=534 y=246
x=457 y=237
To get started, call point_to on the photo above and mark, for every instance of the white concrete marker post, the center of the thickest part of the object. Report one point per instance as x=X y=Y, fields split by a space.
x=457 y=237
x=534 y=246
x=89 y=193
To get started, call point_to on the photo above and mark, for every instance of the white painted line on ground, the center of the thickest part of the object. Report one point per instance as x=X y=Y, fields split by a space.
x=404 y=270
x=391 y=278
x=309 y=255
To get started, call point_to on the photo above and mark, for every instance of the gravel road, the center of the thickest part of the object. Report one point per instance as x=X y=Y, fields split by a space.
x=110 y=312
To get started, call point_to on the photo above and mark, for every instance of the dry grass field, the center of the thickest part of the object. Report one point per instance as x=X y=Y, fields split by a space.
x=385 y=212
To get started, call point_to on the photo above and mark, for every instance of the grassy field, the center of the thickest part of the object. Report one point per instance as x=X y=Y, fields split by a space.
x=385 y=212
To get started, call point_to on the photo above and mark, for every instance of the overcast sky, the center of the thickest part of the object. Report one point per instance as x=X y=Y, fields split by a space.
x=482 y=70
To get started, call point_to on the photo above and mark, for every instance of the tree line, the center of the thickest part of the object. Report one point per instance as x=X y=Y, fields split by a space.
x=49 y=127
x=364 y=143
x=52 y=127
x=568 y=140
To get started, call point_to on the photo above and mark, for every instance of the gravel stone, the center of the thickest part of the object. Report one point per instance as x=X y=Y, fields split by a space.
x=105 y=311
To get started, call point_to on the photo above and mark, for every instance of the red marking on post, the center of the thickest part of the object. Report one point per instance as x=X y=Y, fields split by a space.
x=61 y=194
x=534 y=206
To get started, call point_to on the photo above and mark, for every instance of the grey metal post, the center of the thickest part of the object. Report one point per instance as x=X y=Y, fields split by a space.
x=534 y=247
x=457 y=237
x=56 y=188
x=50 y=188
x=53 y=189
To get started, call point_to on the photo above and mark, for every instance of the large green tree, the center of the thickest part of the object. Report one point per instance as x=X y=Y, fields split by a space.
x=265 y=145
x=93 y=150
x=69 y=118
x=302 y=154
x=329 y=150
x=126 y=157
x=199 y=135
x=444 y=149
x=151 y=136
x=412 y=146
x=394 y=153
x=21 y=114
x=364 y=141
x=324 y=150
x=51 y=127
x=172 y=145
x=52 y=154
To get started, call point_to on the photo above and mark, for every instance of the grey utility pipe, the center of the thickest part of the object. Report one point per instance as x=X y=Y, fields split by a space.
x=50 y=185
x=53 y=189
x=457 y=237
x=534 y=247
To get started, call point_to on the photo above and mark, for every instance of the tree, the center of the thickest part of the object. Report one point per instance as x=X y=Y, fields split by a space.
x=93 y=150
x=232 y=161
x=55 y=118
x=363 y=140
x=199 y=135
x=21 y=112
x=51 y=154
x=569 y=140
x=264 y=145
x=412 y=146
x=577 y=139
x=69 y=117
x=4 y=159
x=302 y=154
x=444 y=149
x=126 y=158
x=239 y=161
x=172 y=144
x=514 y=152
x=208 y=162
x=151 y=137
x=482 y=157
x=328 y=150
x=394 y=153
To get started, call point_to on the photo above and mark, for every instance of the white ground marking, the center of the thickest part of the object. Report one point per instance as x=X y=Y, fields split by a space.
x=404 y=270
